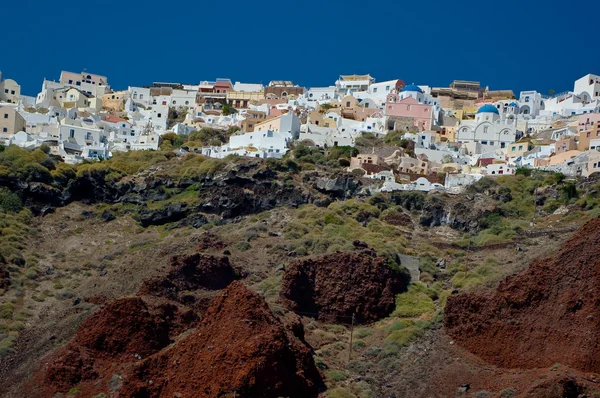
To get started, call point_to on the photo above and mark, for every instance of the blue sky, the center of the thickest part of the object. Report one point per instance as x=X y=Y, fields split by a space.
x=530 y=44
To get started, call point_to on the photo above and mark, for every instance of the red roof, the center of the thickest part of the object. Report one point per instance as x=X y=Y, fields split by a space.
x=114 y=119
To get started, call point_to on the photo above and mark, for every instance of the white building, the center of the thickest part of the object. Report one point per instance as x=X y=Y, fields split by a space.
x=248 y=87
x=420 y=184
x=530 y=103
x=489 y=128
x=569 y=104
x=140 y=95
x=323 y=136
x=588 y=87
x=348 y=84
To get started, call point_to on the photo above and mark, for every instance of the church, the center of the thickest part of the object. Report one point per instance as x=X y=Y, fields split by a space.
x=489 y=128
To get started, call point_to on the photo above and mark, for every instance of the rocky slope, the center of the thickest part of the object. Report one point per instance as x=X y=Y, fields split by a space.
x=240 y=347
x=335 y=286
x=189 y=276
x=123 y=332
x=547 y=314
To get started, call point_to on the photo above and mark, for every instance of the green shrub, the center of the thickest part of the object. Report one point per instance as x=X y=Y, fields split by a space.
x=335 y=375
x=339 y=392
x=243 y=246
x=9 y=201
x=415 y=302
x=478 y=276
x=507 y=393
x=6 y=310
x=361 y=333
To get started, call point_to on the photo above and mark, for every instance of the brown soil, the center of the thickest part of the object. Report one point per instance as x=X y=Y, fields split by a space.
x=189 y=273
x=544 y=315
x=124 y=331
x=208 y=241
x=436 y=367
x=335 y=286
x=240 y=348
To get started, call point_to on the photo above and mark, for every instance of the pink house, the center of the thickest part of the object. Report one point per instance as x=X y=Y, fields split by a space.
x=409 y=107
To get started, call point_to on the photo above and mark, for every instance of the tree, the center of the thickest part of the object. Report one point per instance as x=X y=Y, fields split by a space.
x=447 y=159
x=228 y=110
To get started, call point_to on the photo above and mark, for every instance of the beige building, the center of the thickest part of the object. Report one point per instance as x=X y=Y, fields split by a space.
x=76 y=79
x=519 y=148
x=364 y=158
x=115 y=101
x=73 y=98
x=318 y=119
x=10 y=121
x=241 y=99
x=10 y=91
x=252 y=119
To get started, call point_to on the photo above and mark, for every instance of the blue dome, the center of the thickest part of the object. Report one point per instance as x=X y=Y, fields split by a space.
x=488 y=109
x=412 y=87
x=512 y=104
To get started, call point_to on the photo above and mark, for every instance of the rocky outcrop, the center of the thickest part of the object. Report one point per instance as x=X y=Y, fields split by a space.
x=469 y=213
x=335 y=286
x=547 y=314
x=465 y=213
x=240 y=348
x=124 y=331
x=241 y=188
x=170 y=213
x=189 y=273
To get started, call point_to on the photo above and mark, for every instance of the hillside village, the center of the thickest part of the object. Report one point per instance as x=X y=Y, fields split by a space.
x=413 y=137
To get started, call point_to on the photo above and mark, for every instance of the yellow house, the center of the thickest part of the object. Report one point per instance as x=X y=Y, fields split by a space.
x=11 y=122
x=115 y=101
x=317 y=119
x=74 y=98
x=273 y=124
x=519 y=148
x=240 y=99
x=467 y=113
x=10 y=91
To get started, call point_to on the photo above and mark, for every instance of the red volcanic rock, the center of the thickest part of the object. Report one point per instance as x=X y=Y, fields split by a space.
x=239 y=347
x=190 y=273
x=547 y=314
x=335 y=286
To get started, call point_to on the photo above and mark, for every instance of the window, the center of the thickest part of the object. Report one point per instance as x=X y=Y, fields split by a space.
x=375 y=89
x=72 y=133
x=141 y=96
x=526 y=99
x=6 y=91
x=78 y=83
x=6 y=115
x=520 y=147
x=134 y=95
x=387 y=88
x=485 y=129
x=12 y=92
x=187 y=102
x=4 y=130
x=348 y=104
x=159 y=115
x=174 y=102
x=512 y=149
